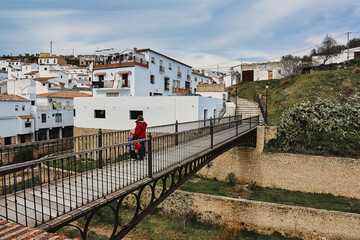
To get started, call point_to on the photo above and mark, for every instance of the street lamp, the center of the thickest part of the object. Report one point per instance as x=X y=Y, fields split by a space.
x=266 y=104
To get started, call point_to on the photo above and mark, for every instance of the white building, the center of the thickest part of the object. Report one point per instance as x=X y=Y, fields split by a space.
x=52 y=60
x=261 y=71
x=54 y=114
x=141 y=72
x=338 y=58
x=121 y=113
x=17 y=124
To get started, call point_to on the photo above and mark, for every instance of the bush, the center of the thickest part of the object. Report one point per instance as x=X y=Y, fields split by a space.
x=231 y=178
x=321 y=127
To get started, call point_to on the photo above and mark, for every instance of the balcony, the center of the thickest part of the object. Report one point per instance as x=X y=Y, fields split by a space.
x=180 y=91
x=179 y=75
x=124 y=63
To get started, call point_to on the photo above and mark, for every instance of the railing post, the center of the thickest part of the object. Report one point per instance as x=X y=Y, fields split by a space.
x=250 y=122
x=176 y=131
x=100 y=152
x=149 y=156
x=211 y=134
x=237 y=125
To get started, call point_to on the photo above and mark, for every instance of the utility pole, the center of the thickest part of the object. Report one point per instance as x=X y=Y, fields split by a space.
x=348 y=45
x=51 y=48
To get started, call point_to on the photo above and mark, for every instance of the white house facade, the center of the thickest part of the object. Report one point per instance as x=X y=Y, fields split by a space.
x=54 y=114
x=121 y=113
x=141 y=72
x=17 y=124
x=344 y=56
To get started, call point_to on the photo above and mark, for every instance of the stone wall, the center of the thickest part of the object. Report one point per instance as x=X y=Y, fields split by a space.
x=265 y=218
x=204 y=87
x=295 y=172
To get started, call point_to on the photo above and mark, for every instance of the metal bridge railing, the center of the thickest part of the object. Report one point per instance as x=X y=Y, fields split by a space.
x=11 y=154
x=37 y=191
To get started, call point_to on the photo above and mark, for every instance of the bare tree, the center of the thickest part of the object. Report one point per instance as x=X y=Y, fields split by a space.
x=328 y=48
x=291 y=65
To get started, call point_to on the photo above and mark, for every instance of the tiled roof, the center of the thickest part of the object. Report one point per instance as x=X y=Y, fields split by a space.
x=26 y=117
x=11 y=230
x=43 y=78
x=3 y=71
x=12 y=98
x=28 y=64
x=31 y=73
x=64 y=94
x=2 y=83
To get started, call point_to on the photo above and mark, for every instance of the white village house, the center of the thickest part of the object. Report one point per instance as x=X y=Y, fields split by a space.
x=17 y=124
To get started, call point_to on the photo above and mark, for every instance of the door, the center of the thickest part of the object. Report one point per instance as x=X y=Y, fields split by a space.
x=248 y=76
x=270 y=75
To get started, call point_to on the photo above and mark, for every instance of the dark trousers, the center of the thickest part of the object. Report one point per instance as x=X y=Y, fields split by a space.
x=142 y=151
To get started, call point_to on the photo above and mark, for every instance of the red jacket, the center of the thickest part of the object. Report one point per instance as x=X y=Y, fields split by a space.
x=140 y=130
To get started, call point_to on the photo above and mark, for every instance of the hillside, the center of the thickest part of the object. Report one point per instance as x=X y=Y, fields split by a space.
x=339 y=83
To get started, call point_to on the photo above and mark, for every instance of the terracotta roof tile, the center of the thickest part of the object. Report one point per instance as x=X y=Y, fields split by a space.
x=31 y=73
x=64 y=94
x=26 y=117
x=43 y=78
x=12 y=98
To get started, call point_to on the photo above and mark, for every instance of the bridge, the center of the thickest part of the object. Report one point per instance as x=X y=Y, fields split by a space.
x=75 y=177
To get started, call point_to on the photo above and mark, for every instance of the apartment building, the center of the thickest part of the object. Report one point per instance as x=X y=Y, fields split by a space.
x=54 y=114
x=141 y=72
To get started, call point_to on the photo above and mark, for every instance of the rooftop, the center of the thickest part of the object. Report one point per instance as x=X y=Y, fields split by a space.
x=12 y=98
x=64 y=94
x=148 y=49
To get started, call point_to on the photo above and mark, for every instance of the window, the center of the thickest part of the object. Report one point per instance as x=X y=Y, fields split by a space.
x=195 y=79
x=54 y=61
x=27 y=124
x=134 y=114
x=16 y=107
x=152 y=79
x=32 y=103
x=161 y=63
x=176 y=83
x=161 y=68
x=150 y=93
x=23 y=107
x=47 y=61
x=74 y=113
x=170 y=66
x=44 y=84
x=99 y=113
x=166 y=84
x=58 y=117
x=153 y=60
x=22 y=138
x=187 y=85
x=7 y=140
x=109 y=94
x=49 y=85
x=45 y=69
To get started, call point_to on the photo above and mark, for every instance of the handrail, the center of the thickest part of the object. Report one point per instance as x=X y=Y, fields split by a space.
x=257 y=99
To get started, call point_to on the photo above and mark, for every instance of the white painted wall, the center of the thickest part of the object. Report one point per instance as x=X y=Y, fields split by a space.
x=156 y=110
x=11 y=124
x=342 y=57
x=44 y=106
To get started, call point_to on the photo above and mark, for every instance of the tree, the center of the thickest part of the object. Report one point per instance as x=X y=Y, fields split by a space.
x=355 y=42
x=328 y=48
x=291 y=65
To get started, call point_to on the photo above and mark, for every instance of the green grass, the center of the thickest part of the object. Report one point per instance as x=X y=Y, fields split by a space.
x=337 y=83
x=159 y=227
x=275 y=195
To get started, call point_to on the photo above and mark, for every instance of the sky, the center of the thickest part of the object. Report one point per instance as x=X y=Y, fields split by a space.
x=201 y=33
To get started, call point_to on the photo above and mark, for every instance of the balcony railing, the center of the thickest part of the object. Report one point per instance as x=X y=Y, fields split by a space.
x=123 y=63
x=161 y=69
x=179 y=75
x=180 y=91
x=50 y=107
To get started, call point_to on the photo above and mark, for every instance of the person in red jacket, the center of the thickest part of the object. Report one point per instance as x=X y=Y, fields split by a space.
x=140 y=132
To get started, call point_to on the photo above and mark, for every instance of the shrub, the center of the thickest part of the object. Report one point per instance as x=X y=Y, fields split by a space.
x=321 y=126
x=231 y=178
